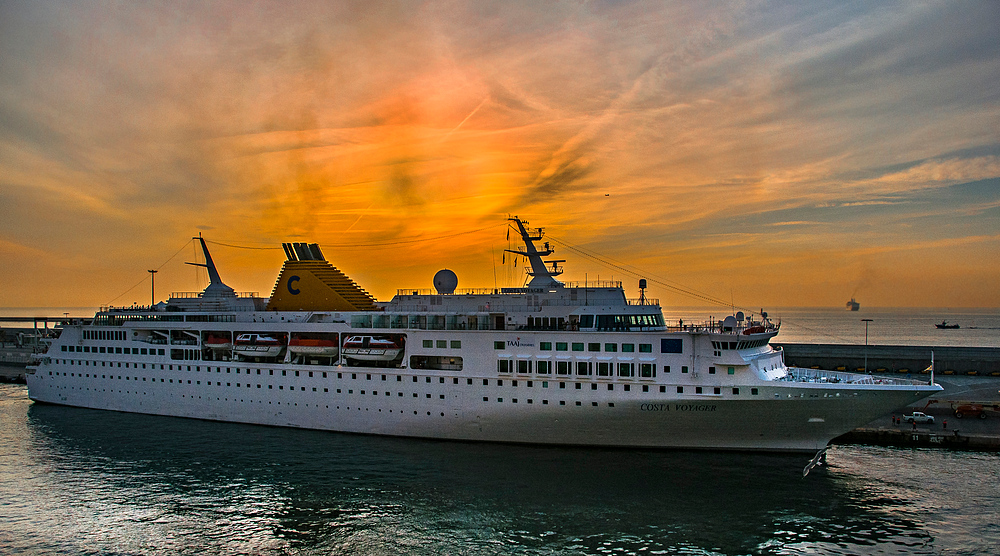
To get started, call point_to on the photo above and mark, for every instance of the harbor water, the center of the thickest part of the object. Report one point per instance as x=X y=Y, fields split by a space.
x=892 y=326
x=78 y=481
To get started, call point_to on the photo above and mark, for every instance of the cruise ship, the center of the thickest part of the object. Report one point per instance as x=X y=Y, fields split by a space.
x=548 y=363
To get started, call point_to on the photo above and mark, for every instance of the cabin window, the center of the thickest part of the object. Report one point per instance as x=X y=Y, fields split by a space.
x=561 y=346
x=456 y=344
x=523 y=366
x=562 y=367
x=583 y=368
x=593 y=346
x=577 y=346
x=671 y=345
x=543 y=368
x=626 y=370
x=647 y=370
x=603 y=368
x=505 y=366
x=628 y=348
x=545 y=346
x=611 y=347
x=496 y=345
x=429 y=343
x=442 y=344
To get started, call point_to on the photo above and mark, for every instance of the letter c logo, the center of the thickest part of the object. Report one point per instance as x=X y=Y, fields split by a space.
x=291 y=290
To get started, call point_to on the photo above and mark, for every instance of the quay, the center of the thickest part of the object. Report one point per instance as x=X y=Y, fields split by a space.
x=948 y=360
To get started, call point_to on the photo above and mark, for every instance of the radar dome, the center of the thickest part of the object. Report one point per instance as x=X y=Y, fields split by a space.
x=445 y=281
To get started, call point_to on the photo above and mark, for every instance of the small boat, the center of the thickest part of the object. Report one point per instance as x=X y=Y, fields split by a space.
x=257 y=345
x=371 y=348
x=944 y=325
x=853 y=305
x=218 y=342
x=312 y=346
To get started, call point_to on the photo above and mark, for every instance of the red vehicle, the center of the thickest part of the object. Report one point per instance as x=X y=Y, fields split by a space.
x=970 y=410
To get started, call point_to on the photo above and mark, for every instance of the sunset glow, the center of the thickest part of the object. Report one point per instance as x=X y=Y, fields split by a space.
x=772 y=153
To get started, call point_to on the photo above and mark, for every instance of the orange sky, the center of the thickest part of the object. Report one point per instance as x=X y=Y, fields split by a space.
x=775 y=154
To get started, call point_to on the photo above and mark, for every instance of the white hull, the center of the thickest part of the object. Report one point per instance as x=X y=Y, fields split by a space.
x=790 y=416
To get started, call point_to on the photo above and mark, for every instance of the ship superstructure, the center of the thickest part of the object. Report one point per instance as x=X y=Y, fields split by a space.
x=550 y=362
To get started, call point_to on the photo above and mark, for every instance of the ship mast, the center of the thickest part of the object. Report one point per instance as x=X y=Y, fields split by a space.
x=215 y=287
x=541 y=276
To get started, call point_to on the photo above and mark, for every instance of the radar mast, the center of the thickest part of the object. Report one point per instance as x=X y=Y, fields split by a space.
x=541 y=276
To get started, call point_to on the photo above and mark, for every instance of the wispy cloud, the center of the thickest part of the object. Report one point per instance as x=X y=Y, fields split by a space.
x=690 y=136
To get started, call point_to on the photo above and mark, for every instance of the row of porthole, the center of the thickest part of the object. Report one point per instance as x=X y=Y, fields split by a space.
x=562 y=384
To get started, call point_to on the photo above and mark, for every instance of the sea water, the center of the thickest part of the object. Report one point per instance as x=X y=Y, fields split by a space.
x=79 y=481
x=888 y=326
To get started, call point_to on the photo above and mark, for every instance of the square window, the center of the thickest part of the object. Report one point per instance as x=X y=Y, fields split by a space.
x=593 y=346
x=442 y=344
x=456 y=344
x=671 y=345
x=732 y=370
x=611 y=347
x=577 y=346
x=680 y=389
x=698 y=390
x=736 y=391
x=496 y=345
x=684 y=369
x=561 y=346
x=545 y=346
x=628 y=348
x=754 y=392
x=645 y=348
x=711 y=370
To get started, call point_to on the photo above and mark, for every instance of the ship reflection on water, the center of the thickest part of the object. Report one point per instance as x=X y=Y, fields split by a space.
x=145 y=484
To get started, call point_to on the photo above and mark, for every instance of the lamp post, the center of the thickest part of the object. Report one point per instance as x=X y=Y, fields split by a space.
x=152 y=288
x=866 y=321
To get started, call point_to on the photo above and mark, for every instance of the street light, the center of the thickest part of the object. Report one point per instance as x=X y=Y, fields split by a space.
x=866 y=321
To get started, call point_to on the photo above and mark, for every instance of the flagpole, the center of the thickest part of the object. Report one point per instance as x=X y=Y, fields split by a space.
x=932 y=367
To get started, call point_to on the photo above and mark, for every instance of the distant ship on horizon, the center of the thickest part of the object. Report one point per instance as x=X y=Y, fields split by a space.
x=853 y=305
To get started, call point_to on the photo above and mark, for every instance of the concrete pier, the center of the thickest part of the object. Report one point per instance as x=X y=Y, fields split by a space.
x=948 y=360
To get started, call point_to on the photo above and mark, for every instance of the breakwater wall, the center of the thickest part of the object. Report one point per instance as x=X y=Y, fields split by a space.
x=948 y=360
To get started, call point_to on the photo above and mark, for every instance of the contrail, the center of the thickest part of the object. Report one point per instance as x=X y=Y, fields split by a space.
x=474 y=110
